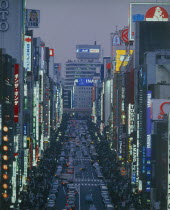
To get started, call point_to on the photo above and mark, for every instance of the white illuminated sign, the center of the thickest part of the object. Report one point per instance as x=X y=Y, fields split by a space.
x=131 y=118
x=94 y=50
x=27 y=53
x=4 y=4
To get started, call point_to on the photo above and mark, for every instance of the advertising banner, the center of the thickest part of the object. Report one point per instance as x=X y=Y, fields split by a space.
x=27 y=53
x=148 y=124
x=16 y=92
x=33 y=18
x=148 y=141
x=147 y=12
x=122 y=58
x=85 y=82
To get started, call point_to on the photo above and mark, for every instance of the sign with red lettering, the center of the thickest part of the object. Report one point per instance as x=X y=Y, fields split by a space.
x=16 y=92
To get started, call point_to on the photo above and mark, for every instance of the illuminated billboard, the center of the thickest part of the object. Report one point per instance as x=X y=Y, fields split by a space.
x=84 y=82
x=148 y=142
x=147 y=12
x=122 y=58
x=27 y=53
x=16 y=92
x=87 y=51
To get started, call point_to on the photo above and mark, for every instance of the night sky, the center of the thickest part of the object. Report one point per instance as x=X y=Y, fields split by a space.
x=65 y=23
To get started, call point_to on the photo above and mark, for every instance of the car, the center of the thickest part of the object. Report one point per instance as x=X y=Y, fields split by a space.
x=52 y=191
x=70 y=197
x=106 y=200
x=69 y=207
x=50 y=205
x=51 y=202
x=51 y=196
x=104 y=188
x=109 y=207
x=105 y=196
x=100 y=176
x=70 y=202
x=82 y=169
x=89 y=198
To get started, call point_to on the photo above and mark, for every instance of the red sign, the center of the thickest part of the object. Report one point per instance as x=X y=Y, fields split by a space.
x=16 y=92
x=51 y=52
x=124 y=35
x=156 y=14
x=28 y=39
x=161 y=114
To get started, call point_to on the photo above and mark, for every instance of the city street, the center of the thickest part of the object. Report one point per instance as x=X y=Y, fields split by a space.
x=85 y=178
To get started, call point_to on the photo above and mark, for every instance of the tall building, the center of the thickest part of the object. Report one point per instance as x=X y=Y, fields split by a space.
x=87 y=65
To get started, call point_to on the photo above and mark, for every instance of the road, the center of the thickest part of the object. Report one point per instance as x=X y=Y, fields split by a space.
x=85 y=181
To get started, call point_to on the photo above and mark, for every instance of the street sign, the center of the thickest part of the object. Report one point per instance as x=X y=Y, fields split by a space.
x=124 y=35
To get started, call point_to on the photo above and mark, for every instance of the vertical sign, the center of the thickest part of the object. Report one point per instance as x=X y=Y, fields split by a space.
x=148 y=142
x=168 y=165
x=51 y=52
x=27 y=53
x=16 y=92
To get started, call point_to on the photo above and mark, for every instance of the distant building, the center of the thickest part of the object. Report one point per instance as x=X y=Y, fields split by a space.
x=88 y=65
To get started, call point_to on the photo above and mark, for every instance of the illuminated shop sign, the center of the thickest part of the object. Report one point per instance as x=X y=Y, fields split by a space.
x=25 y=129
x=130 y=140
x=16 y=92
x=94 y=50
x=122 y=58
x=148 y=125
x=85 y=82
x=27 y=53
x=88 y=50
x=148 y=142
x=4 y=5
x=42 y=57
x=51 y=52
x=131 y=118
x=134 y=164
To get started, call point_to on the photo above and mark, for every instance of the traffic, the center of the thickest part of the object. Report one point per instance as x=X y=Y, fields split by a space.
x=78 y=182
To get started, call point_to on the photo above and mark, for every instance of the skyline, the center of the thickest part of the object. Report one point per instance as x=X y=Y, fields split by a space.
x=89 y=23
x=66 y=23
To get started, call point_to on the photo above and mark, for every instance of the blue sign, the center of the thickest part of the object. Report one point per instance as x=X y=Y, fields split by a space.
x=85 y=82
x=148 y=141
x=25 y=129
x=83 y=50
x=138 y=17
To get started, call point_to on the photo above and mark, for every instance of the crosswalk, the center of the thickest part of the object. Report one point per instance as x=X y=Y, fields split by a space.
x=82 y=158
x=85 y=184
x=88 y=180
